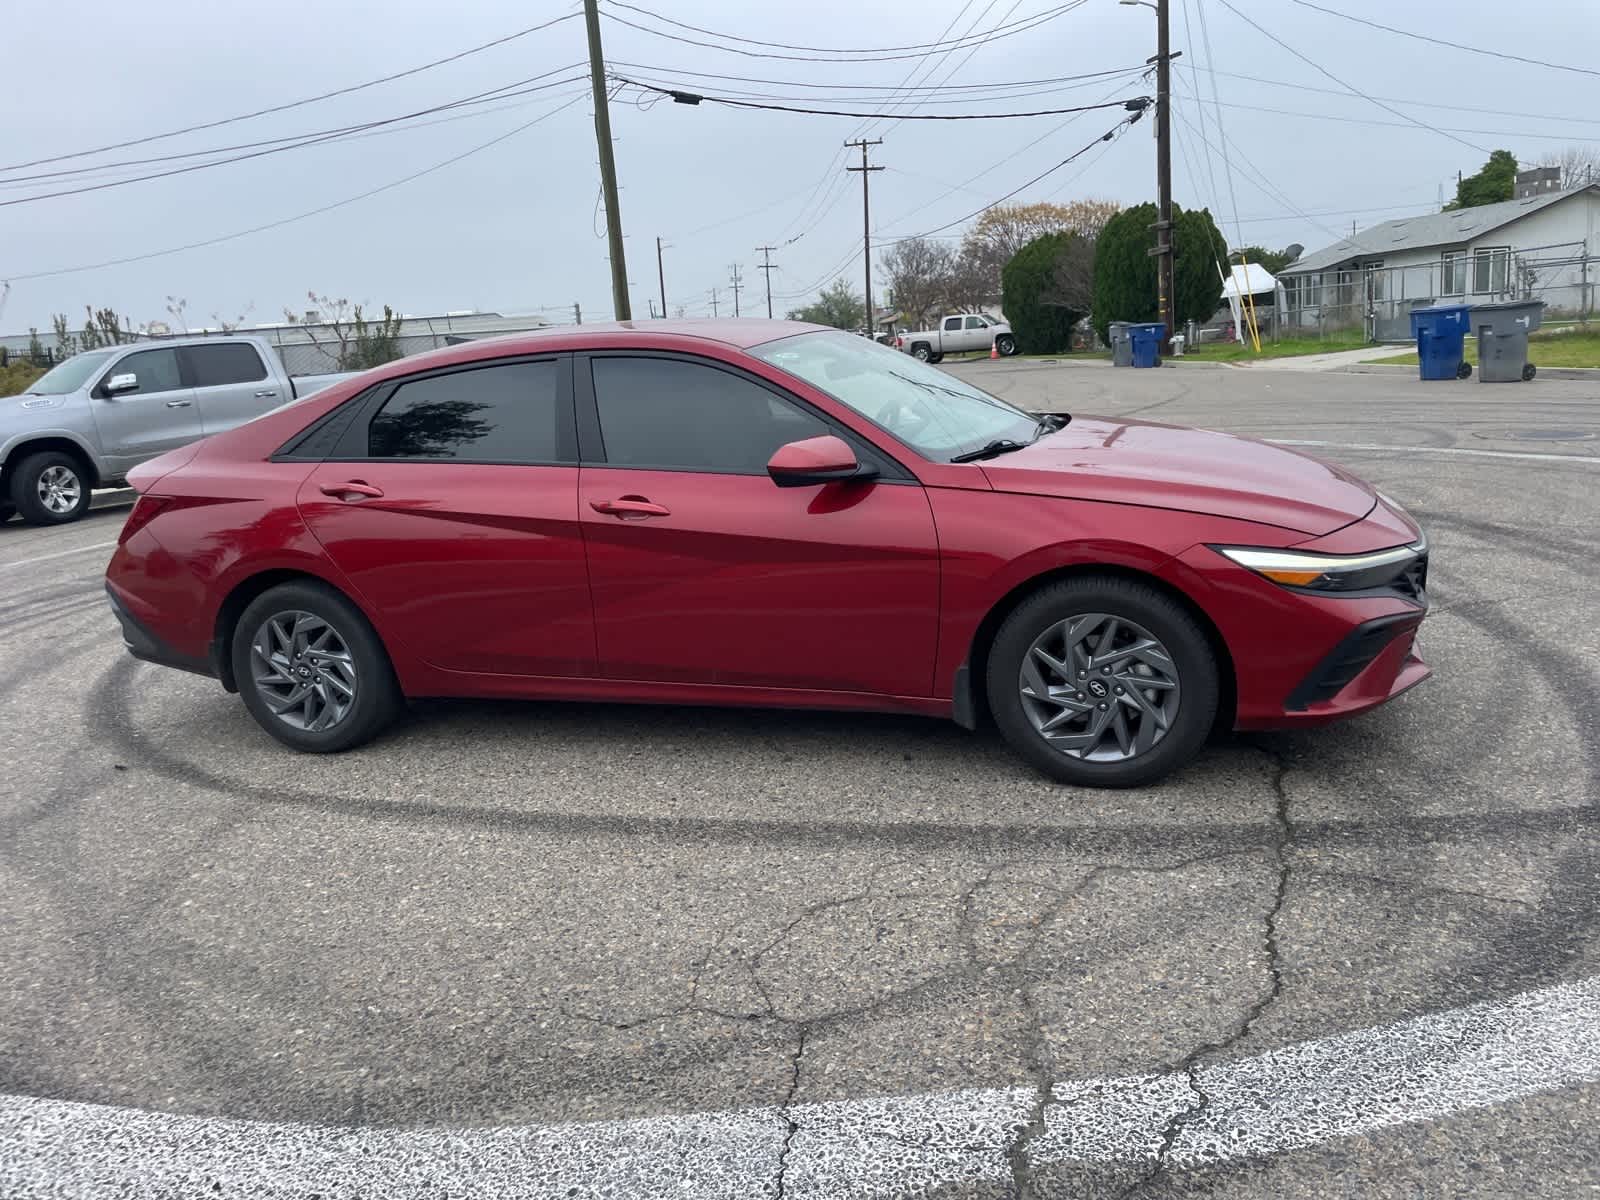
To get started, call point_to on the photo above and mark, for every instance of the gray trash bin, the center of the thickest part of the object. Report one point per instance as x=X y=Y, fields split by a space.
x=1121 y=344
x=1502 y=330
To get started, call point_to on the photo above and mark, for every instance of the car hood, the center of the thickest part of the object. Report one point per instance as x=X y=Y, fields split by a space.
x=1191 y=470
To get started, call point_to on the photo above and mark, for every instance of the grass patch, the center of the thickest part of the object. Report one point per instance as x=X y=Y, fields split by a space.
x=1287 y=348
x=1544 y=350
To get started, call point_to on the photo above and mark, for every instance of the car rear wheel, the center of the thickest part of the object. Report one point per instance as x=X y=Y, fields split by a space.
x=1103 y=682
x=1006 y=345
x=50 y=488
x=312 y=671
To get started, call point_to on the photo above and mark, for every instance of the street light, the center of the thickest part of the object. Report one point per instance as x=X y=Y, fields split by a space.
x=1146 y=3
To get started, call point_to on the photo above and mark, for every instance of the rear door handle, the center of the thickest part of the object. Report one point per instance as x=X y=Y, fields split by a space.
x=269 y=393
x=351 y=489
x=179 y=403
x=630 y=506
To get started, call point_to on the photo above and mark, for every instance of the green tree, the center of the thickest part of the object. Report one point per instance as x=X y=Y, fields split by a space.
x=837 y=305
x=1497 y=181
x=1037 y=291
x=1272 y=260
x=1125 y=271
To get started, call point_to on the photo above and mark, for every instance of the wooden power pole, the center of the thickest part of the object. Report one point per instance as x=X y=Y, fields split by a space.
x=608 y=165
x=1165 y=299
x=866 y=222
x=766 y=266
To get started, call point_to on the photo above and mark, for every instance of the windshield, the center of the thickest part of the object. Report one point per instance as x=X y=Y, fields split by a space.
x=937 y=415
x=70 y=375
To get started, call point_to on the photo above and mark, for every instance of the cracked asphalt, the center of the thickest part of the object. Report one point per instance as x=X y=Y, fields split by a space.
x=523 y=914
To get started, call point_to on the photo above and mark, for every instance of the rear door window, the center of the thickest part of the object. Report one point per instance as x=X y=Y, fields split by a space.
x=232 y=362
x=498 y=414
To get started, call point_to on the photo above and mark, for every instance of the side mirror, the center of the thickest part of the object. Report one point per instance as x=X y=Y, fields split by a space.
x=825 y=459
x=122 y=383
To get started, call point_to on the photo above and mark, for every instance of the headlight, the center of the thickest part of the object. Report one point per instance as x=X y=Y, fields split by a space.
x=1327 y=572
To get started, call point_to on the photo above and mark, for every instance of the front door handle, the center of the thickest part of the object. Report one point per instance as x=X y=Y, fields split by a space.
x=179 y=403
x=351 y=489
x=270 y=393
x=630 y=506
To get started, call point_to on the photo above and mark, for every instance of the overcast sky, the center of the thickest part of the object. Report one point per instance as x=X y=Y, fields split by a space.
x=514 y=228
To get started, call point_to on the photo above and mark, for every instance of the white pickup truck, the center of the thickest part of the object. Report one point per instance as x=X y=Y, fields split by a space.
x=93 y=417
x=962 y=331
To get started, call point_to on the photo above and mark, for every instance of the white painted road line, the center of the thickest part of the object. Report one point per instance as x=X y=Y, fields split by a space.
x=1524 y=455
x=28 y=562
x=1298 y=1096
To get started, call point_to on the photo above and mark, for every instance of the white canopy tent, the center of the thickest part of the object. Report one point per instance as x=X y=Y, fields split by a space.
x=1250 y=279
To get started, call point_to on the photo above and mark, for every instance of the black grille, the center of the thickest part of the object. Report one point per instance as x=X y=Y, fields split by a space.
x=1412 y=583
x=1348 y=659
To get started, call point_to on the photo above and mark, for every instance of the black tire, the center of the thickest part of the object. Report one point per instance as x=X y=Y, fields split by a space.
x=1528 y=372
x=25 y=481
x=935 y=359
x=1165 y=619
x=7 y=511
x=378 y=699
x=1464 y=370
x=922 y=352
x=1006 y=345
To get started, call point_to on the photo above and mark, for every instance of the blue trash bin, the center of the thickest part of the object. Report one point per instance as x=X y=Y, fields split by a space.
x=1147 y=343
x=1441 y=333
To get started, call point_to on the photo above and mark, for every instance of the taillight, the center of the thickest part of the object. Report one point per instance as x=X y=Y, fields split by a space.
x=145 y=510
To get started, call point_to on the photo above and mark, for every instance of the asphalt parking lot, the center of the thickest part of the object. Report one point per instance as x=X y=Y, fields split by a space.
x=518 y=949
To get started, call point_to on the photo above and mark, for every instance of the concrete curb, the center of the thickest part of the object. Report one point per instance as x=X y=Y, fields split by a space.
x=1396 y=369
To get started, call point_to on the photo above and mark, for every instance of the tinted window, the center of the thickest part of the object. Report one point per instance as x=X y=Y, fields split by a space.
x=229 y=363
x=492 y=414
x=657 y=412
x=952 y=323
x=974 y=322
x=157 y=370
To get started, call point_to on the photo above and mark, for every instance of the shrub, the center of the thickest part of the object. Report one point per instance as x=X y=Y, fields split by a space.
x=1041 y=315
x=1125 y=271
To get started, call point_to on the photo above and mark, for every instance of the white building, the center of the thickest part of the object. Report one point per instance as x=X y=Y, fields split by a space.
x=1544 y=246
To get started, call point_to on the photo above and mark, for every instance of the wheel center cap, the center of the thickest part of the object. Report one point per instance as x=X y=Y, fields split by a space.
x=1098 y=690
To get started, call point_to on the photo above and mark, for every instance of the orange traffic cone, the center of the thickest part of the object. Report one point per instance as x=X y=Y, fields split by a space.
x=994 y=349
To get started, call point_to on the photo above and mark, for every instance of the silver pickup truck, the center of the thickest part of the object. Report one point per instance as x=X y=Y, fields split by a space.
x=91 y=419
x=957 y=333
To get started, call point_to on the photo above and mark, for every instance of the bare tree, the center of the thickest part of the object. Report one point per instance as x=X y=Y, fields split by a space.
x=919 y=277
x=997 y=235
x=1579 y=165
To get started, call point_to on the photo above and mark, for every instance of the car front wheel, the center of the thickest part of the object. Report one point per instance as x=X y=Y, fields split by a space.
x=50 y=488
x=312 y=671
x=1103 y=682
x=1006 y=345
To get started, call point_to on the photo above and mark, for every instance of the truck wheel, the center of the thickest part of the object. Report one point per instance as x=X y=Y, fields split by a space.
x=921 y=352
x=50 y=488
x=1006 y=345
x=7 y=511
x=936 y=358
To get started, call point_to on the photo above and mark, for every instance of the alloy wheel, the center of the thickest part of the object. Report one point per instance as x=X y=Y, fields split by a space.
x=60 y=489
x=1099 y=688
x=303 y=669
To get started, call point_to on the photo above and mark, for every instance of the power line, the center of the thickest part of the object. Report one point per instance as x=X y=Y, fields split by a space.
x=261 y=112
x=864 y=96
x=1222 y=136
x=504 y=92
x=1500 y=133
x=1488 y=112
x=850 y=56
x=228 y=237
x=888 y=88
x=1354 y=91
x=733 y=37
x=683 y=97
x=1423 y=37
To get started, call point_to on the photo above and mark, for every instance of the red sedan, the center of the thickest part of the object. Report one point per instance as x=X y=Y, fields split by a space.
x=766 y=513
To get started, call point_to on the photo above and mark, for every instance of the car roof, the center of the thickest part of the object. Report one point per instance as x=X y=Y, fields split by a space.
x=732 y=331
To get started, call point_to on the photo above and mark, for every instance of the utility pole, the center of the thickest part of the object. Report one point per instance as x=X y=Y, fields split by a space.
x=1164 y=265
x=866 y=220
x=661 y=278
x=738 y=286
x=713 y=302
x=608 y=165
x=577 y=312
x=766 y=266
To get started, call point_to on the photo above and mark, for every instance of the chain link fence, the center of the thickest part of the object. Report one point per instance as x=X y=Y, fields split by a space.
x=1376 y=301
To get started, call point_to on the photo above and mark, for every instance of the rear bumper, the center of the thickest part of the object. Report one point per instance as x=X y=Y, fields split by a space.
x=145 y=645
